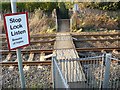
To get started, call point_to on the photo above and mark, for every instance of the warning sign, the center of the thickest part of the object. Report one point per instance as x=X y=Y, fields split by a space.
x=17 y=30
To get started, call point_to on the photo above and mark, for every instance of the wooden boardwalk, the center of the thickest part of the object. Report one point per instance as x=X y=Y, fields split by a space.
x=65 y=50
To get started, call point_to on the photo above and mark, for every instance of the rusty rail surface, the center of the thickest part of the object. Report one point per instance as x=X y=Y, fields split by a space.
x=3 y=36
x=43 y=63
x=96 y=34
x=27 y=51
x=98 y=49
x=97 y=39
x=51 y=50
x=34 y=42
x=52 y=41
x=32 y=63
x=73 y=34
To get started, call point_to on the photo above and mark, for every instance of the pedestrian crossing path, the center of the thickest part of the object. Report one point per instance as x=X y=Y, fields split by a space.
x=65 y=51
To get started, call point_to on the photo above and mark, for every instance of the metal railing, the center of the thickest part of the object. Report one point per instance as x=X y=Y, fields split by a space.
x=72 y=73
x=112 y=72
x=100 y=72
x=56 y=21
x=58 y=79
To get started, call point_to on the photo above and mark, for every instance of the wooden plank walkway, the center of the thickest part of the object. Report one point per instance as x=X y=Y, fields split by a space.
x=65 y=50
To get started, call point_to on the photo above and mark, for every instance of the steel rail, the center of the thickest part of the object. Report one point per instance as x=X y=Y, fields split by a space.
x=97 y=49
x=42 y=41
x=43 y=36
x=96 y=34
x=73 y=34
x=3 y=36
x=52 y=41
x=95 y=60
x=114 y=39
x=48 y=62
x=32 y=63
x=34 y=42
x=51 y=50
x=27 y=51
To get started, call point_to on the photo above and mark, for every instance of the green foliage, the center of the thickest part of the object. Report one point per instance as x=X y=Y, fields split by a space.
x=6 y=7
x=104 y=5
x=63 y=11
x=69 y=5
x=30 y=6
x=0 y=7
x=20 y=6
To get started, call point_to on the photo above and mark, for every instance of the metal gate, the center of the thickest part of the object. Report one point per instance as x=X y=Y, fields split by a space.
x=58 y=79
x=101 y=71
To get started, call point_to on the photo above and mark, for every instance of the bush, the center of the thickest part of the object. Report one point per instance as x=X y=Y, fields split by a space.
x=103 y=5
x=29 y=6
x=6 y=7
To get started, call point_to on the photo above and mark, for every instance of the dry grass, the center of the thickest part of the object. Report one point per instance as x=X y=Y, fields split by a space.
x=88 y=20
x=2 y=27
x=99 y=21
x=40 y=23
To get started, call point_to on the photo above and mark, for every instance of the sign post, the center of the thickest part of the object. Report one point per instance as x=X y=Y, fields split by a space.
x=16 y=26
x=22 y=80
x=18 y=51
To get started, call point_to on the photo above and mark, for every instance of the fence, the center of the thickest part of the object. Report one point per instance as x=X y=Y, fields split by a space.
x=58 y=79
x=112 y=72
x=100 y=72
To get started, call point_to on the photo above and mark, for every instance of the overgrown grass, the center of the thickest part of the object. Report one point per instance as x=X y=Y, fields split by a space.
x=88 y=20
x=41 y=23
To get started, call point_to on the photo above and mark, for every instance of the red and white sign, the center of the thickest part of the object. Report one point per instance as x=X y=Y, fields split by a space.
x=17 y=30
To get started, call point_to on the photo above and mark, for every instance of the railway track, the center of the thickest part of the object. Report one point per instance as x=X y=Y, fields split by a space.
x=87 y=34
x=51 y=50
x=30 y=63
x=96 y=34
x=36 y=58
x=28 y=51
x=35 y=42
x=44 y=53
x=39 y=63
x=50 y=39
x=40 y=51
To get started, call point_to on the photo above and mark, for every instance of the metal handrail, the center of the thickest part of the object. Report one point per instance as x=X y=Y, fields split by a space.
x=56 y=69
